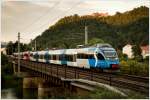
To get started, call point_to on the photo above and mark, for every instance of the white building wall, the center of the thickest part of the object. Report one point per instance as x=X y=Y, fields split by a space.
x=145 y=53
x=128 y=50
x=3 y=50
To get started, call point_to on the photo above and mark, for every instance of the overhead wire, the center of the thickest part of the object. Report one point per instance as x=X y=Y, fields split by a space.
x=38 y=18
x=60 y=15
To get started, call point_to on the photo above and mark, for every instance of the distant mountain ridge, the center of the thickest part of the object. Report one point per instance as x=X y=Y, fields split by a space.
x=122 y=28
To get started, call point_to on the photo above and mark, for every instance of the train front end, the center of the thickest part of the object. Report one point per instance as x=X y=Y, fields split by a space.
x=111 y=58
x=107 y=58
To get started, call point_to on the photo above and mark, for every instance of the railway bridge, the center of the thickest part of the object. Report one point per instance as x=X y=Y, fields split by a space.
x=41 y=75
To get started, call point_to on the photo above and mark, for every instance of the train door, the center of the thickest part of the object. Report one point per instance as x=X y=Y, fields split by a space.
x=101 y=62
x=47 y=57
x=63 y=59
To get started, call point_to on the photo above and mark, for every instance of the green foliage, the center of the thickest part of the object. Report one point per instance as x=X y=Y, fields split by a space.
x=4 y=59
x=134 y=67
x=7 y=74
x=95 y=41
x=10 y=48
x=146 y=59
x=117 y=30
x=13 y=47
x=136 y=50
x=122 y=56
x=103 y=93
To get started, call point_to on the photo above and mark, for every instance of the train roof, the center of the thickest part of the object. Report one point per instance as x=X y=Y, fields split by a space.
x=88 y=50
x=107 y=49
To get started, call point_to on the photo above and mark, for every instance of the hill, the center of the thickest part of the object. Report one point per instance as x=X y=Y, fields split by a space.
x=122 y=28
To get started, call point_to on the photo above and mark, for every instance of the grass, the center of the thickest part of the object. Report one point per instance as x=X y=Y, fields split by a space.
x=133 y=94
x=103 y=93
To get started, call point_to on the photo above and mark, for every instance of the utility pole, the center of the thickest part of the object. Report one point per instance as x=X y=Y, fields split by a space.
x=31 y=44
x=18 y=52
x=35 y=45
x=86 y=35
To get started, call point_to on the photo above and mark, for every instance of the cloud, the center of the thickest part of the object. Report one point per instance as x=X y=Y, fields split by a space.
x=32 y=17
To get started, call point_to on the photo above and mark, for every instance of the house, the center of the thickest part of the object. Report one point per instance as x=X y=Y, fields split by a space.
x=3 y=50
x=145 y=51
x=127 y=49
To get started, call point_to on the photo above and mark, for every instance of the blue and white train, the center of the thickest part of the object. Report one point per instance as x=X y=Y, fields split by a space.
x=101 y=56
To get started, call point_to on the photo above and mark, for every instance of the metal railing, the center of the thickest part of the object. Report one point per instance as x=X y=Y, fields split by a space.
x=76 y=73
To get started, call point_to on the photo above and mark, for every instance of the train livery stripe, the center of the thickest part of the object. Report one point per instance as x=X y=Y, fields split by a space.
x=92 y=62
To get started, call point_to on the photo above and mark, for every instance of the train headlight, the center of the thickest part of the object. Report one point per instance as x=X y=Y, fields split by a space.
x=116 y=58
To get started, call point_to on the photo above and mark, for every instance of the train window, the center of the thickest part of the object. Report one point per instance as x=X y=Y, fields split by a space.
x=85 y=56
x=61 y=57
x=40 y=56
x=90 y=56
x=78 y=56
x=36 y=56
x=69 y=58
x=54 y=57
x=100 y=56
x=64 y=57
x=46 y=56
x=82 y=56
x=50 y=57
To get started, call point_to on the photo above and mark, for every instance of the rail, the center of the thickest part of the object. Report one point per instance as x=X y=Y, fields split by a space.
x=123 y=81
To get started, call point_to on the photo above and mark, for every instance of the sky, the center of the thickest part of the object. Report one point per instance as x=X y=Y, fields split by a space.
x=32 y=17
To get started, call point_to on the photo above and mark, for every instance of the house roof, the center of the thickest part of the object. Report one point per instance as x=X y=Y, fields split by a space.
x=145 y=48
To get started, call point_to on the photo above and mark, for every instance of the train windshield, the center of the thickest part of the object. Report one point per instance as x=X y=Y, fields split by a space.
x=110 y=54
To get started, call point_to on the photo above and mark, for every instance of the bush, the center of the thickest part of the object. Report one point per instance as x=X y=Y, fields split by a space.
x=134 y=67
x=4 y=59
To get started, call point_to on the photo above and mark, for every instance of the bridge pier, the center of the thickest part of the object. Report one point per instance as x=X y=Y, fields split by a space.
x=14 y=67
x=39 y=85
x=30 y=82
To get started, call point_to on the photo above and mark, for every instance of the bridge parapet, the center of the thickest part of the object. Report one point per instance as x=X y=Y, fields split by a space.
x=68 y=74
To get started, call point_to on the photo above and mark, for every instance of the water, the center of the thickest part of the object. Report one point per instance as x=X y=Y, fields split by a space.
x=35 y=93
x=8 y=94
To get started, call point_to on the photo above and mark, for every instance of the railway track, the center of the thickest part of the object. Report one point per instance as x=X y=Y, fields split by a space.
x=136 y=83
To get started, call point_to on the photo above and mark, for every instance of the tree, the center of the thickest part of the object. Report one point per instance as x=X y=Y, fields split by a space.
x=95 y=41
x=137 y=52
x=10 y=48
x=13 y=47
x=128 y=27
x=66 y=45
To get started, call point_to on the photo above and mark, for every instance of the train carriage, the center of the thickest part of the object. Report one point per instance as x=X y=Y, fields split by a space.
x=102 y=56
